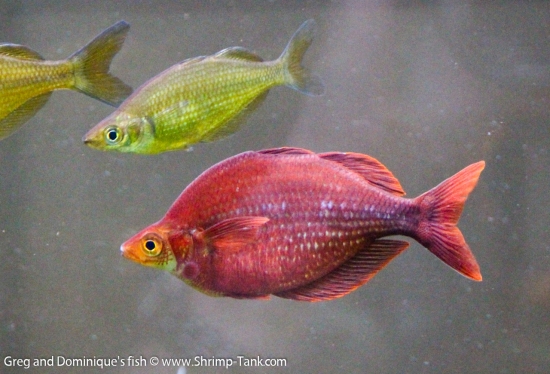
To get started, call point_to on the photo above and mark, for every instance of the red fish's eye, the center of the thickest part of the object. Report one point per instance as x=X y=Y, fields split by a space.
x=152 y=245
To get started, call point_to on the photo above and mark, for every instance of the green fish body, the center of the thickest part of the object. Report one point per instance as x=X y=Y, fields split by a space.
x=202 y=99
x=27 y=80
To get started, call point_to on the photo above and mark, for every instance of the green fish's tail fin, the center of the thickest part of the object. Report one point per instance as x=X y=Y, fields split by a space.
x=296 y=76
x=440 y=210
x=91 y=65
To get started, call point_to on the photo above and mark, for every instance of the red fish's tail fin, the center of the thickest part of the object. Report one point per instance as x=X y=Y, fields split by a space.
x=296 y=76
x=91 y=66
x=440 y=210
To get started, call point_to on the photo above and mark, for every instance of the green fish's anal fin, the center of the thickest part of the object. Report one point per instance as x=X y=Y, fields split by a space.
x=234 y=123
x=238 y=53
x=19 y=116
x=19 y=51
x=232 y=234
x=352 y=274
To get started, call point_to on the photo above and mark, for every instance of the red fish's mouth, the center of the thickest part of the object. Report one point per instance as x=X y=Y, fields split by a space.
x=127 y=253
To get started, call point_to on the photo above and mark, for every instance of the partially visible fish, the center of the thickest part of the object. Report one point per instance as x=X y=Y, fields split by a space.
x=202 y=99
x=299 y=225
x=27 y=80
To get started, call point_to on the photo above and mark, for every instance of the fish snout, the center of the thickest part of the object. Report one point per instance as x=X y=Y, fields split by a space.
x=93 y=139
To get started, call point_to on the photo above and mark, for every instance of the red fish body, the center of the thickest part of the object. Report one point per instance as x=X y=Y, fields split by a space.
x=300 y=225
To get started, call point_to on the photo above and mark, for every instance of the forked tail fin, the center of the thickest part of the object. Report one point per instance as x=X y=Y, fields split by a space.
x=440 y=210
x=91 y=66
x=298 y=77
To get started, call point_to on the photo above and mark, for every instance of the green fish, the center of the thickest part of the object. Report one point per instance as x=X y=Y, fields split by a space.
x=203 y=98
x=27 y=80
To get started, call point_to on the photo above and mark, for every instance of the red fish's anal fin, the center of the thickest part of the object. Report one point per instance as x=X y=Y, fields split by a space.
x=250 y=297
x=350 y=275
x=369 y=168
x=233 y=234
x=440 y=210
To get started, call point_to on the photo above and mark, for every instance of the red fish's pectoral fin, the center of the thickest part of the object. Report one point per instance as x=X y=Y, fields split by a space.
x=233 y=234
x=19 y=116
x=352 y=274
x=369 y=168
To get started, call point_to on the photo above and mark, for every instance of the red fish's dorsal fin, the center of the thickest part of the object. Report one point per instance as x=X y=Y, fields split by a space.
x=233 y=234
x=369 y=168
x=238 y=53
x=286 y=151
x=19 y=51
x=352 y=274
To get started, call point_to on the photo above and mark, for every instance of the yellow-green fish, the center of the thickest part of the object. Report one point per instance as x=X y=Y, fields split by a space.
x=203 y=98
x=27 y=80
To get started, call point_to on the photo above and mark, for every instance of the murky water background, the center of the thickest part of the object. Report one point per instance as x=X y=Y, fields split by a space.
x=427 y=87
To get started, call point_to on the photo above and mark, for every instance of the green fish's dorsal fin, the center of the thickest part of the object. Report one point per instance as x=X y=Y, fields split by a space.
x=286 y=151
x=191 y=60
x=238 y=53
x=19 y=51
x=369 y=168
x=234 y=123
x=352 y=274
x=19 y=116
x=232 y=234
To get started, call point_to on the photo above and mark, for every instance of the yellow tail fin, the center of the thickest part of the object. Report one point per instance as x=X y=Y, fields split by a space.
x=298 y=77
x=92 y=63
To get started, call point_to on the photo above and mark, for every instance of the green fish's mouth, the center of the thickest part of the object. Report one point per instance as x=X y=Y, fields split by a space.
x=90 y=141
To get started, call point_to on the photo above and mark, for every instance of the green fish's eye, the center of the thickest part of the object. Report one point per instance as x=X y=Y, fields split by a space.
x=113 y=135
x=152 y=246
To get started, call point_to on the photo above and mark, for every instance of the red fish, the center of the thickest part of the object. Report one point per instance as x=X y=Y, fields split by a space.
x=299 y=225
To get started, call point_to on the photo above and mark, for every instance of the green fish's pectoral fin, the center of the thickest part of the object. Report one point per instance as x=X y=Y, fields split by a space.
x=349 y=276
x=19 y=116
x=369 y=168
x=238 y=53
x=233 y=234
x=19 y=51
x=298 y=77
x=92 y=64
x=233 y=125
